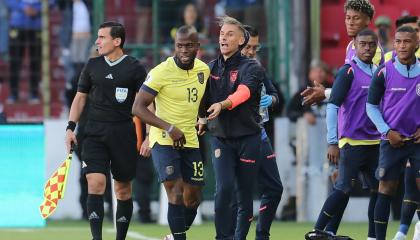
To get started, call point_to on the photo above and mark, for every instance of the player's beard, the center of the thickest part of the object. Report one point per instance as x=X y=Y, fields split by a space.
x=185 y=66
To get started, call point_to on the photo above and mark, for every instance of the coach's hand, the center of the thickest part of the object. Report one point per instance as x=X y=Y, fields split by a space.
x=395 y=138
x=201 y=129
x=145 y=149
x=416 y=136
x=70 y=139
x=313 y=95
x=178 y=137
x=333 y=153
x=214 y=110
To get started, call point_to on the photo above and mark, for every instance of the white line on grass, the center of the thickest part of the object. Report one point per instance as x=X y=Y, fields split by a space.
x=135 y=235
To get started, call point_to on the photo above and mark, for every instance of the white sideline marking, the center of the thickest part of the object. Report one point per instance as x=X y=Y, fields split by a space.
x=135 y=235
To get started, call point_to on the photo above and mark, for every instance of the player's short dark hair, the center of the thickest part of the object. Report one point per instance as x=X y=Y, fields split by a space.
x=408 y=29
x=117 y=31
x=252 y=31
x=405 y=19
x=363 y=6
x=186 y=30
x=367 y=32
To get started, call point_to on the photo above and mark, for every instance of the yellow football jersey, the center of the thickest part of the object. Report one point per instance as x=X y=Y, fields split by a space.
x=389 y=55
x=179 y=93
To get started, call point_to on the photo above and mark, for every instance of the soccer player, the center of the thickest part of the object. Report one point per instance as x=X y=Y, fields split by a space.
x=358 y=15
x=411 y=198
x=269 y=182
x=177 y=86
x=411 y=21
x=233 y=94
x=111 y=82
x=393 y=100
x=356 y=148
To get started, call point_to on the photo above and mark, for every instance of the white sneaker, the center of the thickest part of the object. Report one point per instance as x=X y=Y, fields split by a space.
x=417 y=231
x=399 y=236
x=169 y=237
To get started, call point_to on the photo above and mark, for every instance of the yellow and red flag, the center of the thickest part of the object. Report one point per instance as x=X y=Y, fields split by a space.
x=54 y=188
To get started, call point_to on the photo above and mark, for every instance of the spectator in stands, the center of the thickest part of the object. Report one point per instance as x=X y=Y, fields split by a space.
x=318 y=73
x=3 y=29
x=144 y=20
x=81 y=37
x=24 y=33
x=190 y=17
x=383 y=30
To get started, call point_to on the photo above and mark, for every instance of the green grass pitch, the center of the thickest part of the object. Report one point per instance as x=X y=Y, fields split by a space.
x=78 y=230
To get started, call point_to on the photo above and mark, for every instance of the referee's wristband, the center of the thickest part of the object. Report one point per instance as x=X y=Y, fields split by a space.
x=71 y=125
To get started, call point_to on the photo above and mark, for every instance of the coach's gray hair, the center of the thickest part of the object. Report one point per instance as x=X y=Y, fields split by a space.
x=230 y=20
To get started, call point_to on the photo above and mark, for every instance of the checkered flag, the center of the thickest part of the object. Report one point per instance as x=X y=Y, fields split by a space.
x=54 y=188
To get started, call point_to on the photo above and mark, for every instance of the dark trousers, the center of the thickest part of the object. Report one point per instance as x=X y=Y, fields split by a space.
x=20 y=40
x=235 y=161
x=143 y=187
x=270 y=188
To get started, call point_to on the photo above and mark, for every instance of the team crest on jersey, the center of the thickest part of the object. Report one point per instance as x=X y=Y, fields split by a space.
x=233 y=76
x=121 y=94
x=200 y=76
x=418 y=89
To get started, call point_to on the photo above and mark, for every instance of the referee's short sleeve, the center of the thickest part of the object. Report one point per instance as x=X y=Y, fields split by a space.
x=140 y=76
x=85 y=81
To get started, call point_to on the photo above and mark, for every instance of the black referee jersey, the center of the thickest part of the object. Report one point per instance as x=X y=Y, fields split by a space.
x=112 y=87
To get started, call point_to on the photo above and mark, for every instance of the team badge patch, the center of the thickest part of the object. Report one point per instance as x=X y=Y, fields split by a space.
x=418 y=89
x=121 y=94
x=217 y=153
x=233 y=76
x=200 y=76
x=169 y=170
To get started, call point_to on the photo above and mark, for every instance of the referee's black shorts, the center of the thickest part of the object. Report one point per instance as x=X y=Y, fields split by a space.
x=110 y=145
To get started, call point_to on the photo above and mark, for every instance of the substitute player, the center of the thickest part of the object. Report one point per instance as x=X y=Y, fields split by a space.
x=411 y=199
x=111 y=82
x=356 y=148
x=177 y=86
x=233 y=94
x=396 y=88
x=358 y=15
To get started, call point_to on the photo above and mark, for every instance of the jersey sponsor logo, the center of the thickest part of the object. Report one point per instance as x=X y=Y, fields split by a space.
x=398 y=89
x=233 y=76
x=121 y=94
x=418 y=89
x=109 y=76
x=200 y=76
x=169 y=170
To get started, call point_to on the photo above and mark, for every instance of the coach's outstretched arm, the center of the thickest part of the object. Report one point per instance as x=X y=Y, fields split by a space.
x=140 y=109
x=76 y=110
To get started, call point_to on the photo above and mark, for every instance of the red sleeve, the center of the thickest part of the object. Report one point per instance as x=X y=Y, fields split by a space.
x=239 y=96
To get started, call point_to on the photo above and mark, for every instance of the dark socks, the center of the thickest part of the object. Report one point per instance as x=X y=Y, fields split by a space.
x=334 y=223
x=176 y=221
x=190 y=214
x=334 y=202
x=123 y=216
x=95 y=211
x=371 y=214
x=382 y=209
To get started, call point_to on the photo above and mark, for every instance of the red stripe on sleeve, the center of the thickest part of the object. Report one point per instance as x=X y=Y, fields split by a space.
x=239 y=96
